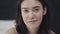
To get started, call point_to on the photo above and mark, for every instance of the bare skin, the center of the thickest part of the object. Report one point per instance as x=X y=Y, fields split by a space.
x=13 y=31
x=32 y=13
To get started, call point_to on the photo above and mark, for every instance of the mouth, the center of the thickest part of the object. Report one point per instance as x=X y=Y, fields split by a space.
x=33 y=21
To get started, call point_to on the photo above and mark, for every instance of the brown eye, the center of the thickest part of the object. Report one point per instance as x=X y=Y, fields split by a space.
x=36 y=9
x=26 y=11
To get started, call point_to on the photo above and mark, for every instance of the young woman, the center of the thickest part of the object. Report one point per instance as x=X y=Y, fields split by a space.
x=32 y=18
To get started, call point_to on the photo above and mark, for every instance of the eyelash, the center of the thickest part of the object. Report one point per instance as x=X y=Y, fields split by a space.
x=25 y=10
x=35 y=10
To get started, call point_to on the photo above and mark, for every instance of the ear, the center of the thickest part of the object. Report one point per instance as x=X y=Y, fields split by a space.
x=45 y=11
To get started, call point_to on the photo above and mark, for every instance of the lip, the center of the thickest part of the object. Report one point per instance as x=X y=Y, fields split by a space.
x=33 y=21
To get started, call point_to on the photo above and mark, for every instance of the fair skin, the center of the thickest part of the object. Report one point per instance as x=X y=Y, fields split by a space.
x=13 y=31
x=32 y=13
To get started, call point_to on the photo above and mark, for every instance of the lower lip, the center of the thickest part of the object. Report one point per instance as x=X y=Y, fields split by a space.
x=33 y=21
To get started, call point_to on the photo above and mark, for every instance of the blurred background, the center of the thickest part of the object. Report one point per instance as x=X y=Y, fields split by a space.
x=8 y=10
x=7 y=14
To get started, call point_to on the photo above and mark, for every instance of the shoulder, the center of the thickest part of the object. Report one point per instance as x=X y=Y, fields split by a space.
x=11 y=31
x=51 y=32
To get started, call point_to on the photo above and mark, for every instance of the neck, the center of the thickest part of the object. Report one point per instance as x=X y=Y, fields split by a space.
x=33 y=30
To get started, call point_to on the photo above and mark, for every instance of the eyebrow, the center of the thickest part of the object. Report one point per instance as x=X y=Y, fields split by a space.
x=36 y=7
x=33 y=7
x=24 y=8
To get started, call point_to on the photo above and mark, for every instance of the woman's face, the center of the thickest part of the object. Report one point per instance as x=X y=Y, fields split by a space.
x=32 y=12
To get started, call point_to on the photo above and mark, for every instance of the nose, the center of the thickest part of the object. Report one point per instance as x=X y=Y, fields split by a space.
x=31 y=15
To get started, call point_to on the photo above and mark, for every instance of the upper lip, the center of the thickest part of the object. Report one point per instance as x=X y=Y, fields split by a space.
x=32 y=20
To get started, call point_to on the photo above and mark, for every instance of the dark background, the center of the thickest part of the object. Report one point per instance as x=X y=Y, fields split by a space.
x=8 y=10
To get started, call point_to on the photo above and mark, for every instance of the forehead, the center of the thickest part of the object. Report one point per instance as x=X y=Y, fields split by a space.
x=30 y=3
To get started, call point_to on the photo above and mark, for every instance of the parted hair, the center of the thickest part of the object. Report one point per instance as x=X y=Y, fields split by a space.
x=43 y=28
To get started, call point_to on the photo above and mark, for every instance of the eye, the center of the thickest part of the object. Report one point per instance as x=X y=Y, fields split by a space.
x=26 y=11
x=36 y=9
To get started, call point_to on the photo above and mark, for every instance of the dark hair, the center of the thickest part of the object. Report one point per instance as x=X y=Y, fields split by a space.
x=21 y=27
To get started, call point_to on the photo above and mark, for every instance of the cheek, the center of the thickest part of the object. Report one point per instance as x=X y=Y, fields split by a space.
x=39 y=16
x=24 y=17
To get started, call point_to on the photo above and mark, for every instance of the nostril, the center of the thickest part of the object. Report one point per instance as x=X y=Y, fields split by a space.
x=31 y=16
